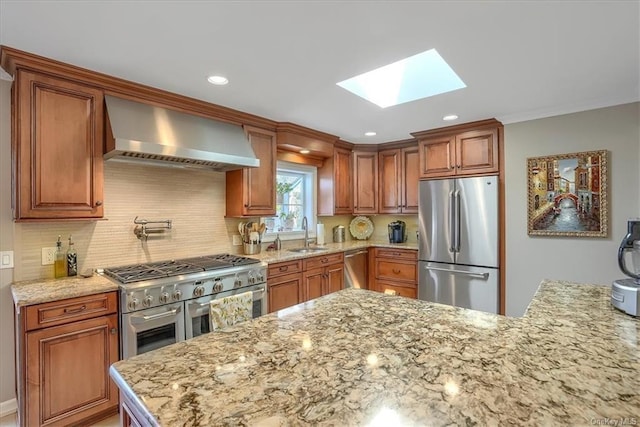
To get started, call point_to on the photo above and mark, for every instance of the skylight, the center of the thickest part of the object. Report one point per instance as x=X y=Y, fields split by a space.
x=419 y=76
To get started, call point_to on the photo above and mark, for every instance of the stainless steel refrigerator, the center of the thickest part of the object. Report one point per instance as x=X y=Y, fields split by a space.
x=458 y=242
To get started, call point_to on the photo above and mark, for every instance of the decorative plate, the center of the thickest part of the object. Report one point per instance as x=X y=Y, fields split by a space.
x=361 y=227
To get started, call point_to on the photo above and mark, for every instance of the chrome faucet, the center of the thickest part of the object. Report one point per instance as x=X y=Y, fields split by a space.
x=305 y=227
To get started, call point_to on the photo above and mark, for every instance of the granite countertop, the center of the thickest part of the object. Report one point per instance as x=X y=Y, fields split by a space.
x=357 y=357
x=30 y=292
x=285 y=255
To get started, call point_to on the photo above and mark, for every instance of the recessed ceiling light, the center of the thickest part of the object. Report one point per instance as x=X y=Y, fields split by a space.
x=419 y=76
x=370 y=134
x=449 y=117
x=217 y=80
x=304 y=151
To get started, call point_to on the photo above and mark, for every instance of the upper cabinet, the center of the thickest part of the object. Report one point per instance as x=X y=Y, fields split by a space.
x=469 y=149
x=251 y=191
x=365 y=182
x=58 y=140
x=398 y=180
x=335 y=184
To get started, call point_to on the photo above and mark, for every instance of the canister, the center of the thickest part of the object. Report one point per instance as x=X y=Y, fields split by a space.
x=338 y=234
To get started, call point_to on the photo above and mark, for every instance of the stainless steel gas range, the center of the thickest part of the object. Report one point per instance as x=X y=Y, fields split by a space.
x=164 y=302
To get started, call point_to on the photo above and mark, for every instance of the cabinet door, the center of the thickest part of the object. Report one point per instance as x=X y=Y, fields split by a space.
x=67 y=371
x=437 y=156
x=285 y=291
x=389 y=181
x=252 y=191
x=59 y=139
x=334 y=278
x=313 y=284
x=365 y=178
x=477 y=152
x=342 y=182
x=410 y=178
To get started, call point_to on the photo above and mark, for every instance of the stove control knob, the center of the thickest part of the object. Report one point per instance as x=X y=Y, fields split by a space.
x=133 y=303
x=198 y=291
x=217 y=287
x=147 y=301
x=260 y=277
x=164 y=297
x=177 y=294
x=238 y=282
x=251 y=279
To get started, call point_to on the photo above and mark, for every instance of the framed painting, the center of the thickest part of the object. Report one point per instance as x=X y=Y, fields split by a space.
x=567 y=195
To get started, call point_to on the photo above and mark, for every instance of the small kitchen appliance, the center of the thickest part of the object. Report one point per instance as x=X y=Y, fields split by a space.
x=339 y=233
x=397 y=232
x=625 y=293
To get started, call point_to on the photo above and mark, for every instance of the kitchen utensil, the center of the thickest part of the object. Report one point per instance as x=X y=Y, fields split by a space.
x=263 y=228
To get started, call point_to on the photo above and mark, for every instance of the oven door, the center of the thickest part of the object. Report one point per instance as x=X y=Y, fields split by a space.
x=197 y=310
x=149 y=329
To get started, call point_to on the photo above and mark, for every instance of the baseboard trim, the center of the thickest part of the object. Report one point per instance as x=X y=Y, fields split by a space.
x=8 y=407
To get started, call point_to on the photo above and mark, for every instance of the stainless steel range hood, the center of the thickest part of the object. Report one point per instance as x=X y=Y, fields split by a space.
x=161 y=136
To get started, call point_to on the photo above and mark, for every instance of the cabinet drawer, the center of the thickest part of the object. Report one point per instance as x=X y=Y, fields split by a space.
x=396 y=271
x=286 y=267
x=322 y=260
x=70 y=310
x=397 y=253
x=404 y=291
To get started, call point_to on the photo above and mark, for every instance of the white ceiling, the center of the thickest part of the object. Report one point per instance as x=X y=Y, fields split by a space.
x=520 y=60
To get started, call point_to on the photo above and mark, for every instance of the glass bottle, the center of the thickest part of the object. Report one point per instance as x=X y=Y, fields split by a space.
x=59 y=264
x=72 y=260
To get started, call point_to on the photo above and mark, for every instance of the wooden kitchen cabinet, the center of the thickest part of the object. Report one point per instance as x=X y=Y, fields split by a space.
x=322 y=275
x=365 y=182
x=395 y=271
x=252 y=191
x=284 y=282
x=335 y=184
x=64 y=352
x=398 y=180
x=470 y=149
x=58 y=145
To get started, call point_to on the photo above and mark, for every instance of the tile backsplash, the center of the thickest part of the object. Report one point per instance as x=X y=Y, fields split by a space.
x=193 y=199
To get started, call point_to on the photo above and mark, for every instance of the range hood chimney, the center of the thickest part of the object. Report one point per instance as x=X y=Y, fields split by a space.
x=142 y=132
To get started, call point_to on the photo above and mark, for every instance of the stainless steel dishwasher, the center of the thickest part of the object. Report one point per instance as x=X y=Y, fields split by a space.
x=355 y=268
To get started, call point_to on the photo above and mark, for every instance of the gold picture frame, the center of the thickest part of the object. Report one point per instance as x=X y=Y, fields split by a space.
x=568 y=195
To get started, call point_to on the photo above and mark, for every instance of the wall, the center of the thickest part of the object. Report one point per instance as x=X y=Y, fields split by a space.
x=589 y=260
x=7 y=359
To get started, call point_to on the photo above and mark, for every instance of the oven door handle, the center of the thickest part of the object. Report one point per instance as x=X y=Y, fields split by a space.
x=204 y=304
x=156 y=316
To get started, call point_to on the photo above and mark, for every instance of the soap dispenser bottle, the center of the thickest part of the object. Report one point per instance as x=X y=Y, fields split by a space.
x=59 y=265
x=72 y=260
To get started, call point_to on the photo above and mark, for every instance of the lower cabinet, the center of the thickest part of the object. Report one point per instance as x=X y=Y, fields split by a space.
x=293 y=282
x=64 y=352
x=395 y=271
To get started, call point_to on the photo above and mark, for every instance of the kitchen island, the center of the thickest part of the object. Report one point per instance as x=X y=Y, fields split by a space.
x=357 y=357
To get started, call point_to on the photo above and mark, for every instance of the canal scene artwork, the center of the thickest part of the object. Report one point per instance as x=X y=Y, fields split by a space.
x=567 y=195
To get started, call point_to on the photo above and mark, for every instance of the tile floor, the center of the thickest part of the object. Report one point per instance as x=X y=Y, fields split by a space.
x=10 y=421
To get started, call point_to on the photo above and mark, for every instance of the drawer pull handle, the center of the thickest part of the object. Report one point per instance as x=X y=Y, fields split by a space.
x=324 y=260
x=396 y=271
x=114 y=331
x=285 y=268
x=75 y=310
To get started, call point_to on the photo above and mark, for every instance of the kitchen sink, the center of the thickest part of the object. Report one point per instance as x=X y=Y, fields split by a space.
x=307 y=250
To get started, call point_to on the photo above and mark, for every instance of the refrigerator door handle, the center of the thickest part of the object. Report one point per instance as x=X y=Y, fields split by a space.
x=483 y=276
x=452 y=221
x=456 y=224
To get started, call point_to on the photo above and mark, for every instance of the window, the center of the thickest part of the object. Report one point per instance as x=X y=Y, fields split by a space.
x=295 y=199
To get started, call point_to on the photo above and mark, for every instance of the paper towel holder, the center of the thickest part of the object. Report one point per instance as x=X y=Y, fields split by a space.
x=320 y=234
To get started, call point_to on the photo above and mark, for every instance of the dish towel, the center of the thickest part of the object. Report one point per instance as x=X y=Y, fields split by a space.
x=228 y=311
